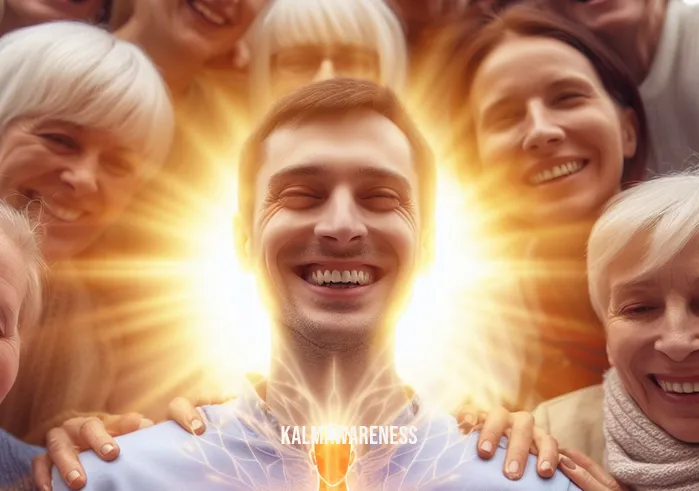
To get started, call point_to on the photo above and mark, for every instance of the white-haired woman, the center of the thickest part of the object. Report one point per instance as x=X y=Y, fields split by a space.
x=21 y=273
x=643 y=267
x=85 y=120
x=296 y=42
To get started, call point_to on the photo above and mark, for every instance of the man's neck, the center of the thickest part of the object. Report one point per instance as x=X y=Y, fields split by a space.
x=638 y=45
x=312 y=385
x=178 y=71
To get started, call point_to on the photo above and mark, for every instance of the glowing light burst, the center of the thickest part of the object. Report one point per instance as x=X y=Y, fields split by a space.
x=235 y=324
x=236 y=327
x=218 y=301
x=434 y=326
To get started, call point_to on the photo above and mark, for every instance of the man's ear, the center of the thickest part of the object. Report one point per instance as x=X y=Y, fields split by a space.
x=241 y=237
x=629 y=132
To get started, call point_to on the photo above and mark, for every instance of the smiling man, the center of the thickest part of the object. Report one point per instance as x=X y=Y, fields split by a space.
x=336 y=209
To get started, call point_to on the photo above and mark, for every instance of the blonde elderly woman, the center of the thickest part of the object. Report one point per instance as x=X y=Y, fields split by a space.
x=296 y=42
x=21 y=271
x=85 y=120
x=643 y=266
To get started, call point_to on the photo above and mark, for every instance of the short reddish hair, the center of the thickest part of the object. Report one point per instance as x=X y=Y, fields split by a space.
x=336 y=98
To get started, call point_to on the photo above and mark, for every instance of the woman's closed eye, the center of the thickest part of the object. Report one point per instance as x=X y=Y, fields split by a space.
x=118 y=167
x=61 y=140
x=569 y=98
x=639 y=310
x=503 y=119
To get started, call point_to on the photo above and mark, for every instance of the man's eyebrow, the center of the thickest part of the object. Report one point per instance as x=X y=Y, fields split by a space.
x=318 y=169
x=384 y=174
x=297 y=171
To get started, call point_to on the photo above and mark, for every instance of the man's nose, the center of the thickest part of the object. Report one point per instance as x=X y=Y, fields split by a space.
x=341 y=222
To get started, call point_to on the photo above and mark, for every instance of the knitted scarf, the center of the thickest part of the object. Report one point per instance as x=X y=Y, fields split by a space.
x=639 y=453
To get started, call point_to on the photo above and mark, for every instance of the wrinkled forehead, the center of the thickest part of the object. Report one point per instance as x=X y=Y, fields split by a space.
x=359 y=145
x=502 y=70
x=639 y=266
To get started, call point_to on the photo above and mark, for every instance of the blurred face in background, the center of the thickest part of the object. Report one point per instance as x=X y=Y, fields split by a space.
x=23 y=13
x=299 y=42
x=200 y=29
x=296 y=66
x=608 y=16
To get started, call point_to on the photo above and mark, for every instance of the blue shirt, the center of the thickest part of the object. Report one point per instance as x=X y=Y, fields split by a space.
x=16 y=463
x=241 y=450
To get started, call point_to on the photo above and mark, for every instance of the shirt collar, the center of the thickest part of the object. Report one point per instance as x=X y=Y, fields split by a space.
x=256 y=407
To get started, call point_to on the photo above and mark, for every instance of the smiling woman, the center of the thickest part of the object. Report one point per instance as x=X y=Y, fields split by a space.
x=643 y=267
x=23 y=13
x=78 y=157
x=85 y=120
x=565 y=138
x=183 y=36
x=547 y=147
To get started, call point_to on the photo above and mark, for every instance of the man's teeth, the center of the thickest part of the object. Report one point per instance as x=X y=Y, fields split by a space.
x=560 y=170
x=679 y=387
x=208 y=14
x=336 y=277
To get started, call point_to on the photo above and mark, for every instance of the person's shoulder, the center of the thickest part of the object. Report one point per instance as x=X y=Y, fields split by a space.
x=166 y=456
x=573 y=412
x=576 y=420
x=593 y=395
x=145 y=454
x=9 y=443
x=452 y=462
x=15 y=461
